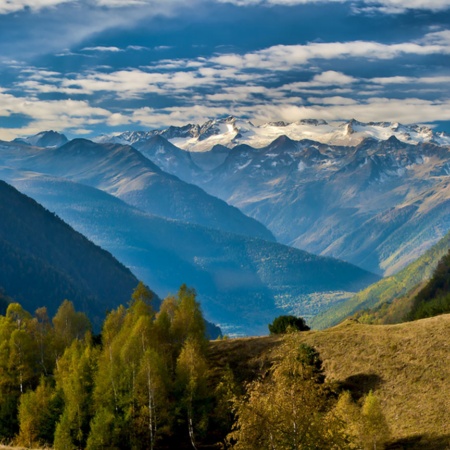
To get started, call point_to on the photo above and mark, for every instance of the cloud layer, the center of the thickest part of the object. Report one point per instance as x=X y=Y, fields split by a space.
x=99 y=79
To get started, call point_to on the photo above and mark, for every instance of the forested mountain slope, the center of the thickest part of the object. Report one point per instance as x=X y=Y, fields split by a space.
x=388 y=289
x=43 y=261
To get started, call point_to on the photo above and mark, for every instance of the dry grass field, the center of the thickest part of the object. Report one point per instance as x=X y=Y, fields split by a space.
x=406 y=365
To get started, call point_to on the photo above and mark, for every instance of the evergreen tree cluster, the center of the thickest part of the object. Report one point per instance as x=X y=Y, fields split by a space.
x=43 y=260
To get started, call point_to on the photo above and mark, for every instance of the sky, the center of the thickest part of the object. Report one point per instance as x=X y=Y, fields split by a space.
x=89 y=67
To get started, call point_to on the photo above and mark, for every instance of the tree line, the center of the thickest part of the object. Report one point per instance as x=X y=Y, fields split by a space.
x=145 y=383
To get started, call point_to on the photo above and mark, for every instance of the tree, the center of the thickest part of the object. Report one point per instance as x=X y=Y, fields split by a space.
x=143 y=295
x=285 y=324
x=287 y=409
x=36 y=415
x=188 y=319
x=74 y=377
x=375 y=430
x=69 y=325
x=192 y=385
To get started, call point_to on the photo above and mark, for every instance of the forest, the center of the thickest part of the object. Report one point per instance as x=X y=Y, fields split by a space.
x=147 y=381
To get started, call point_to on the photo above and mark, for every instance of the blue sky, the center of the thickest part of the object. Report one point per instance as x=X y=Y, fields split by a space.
x=86 y=67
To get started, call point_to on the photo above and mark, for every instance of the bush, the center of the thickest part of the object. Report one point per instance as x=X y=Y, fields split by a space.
x=285 y=324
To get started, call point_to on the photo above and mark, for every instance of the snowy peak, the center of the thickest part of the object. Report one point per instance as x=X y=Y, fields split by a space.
x=46 y=139
x=230 y=132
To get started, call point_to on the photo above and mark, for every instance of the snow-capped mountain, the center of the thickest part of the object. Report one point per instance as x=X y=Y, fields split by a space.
x=46 y=139
x=230 y=132
x=378 y=204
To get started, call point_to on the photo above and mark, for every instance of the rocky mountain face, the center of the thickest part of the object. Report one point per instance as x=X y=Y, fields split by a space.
x=379 y=201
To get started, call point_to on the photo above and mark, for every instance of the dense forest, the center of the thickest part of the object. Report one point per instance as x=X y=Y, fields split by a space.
x=147 y=382
x=43 y=260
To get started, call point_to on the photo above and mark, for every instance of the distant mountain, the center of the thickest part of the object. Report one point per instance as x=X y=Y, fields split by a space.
x=124 y=172
x=44 y=261
x=169 y=158
x=232 y=131
x=44 y=139
x=242 y=282
x=378 y=205
x=392 y=296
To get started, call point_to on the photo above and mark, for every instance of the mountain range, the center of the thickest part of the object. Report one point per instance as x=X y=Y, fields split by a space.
x=198 y=204
x=110 y=193
x=231 y=131
x=379 y=201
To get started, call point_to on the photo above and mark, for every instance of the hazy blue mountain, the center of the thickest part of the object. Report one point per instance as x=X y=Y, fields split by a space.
x=44 y=139
x=169 y=158
x=242 y=282
x=378 y=205
x=125 y=173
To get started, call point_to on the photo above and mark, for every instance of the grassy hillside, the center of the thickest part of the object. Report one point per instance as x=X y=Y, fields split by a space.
x=387 y=289
x=406 y=366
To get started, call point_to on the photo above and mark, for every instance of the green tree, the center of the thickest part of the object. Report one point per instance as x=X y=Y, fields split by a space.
x=69 y=325
x=188 y=319
x=36 y=415
x=101 y=436
x=192 y=385
x=285 y=324
x=74 y=377
x=349 y=413
x=143 y=295
x=375 y=429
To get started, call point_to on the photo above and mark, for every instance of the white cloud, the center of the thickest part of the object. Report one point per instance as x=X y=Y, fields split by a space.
x=410 y=80
x=384 y=6
x=50 y=115
x=102 y=49
x=285 y=57
x=410 y=110
x=332 y=77
x=10 y=6
x=332 y=101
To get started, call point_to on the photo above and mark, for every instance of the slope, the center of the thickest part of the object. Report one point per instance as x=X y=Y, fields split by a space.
x=387 y=289
x=378 y=205
x=242 y=282
x=122 y=171
x=406 y=366
x=43 y=261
